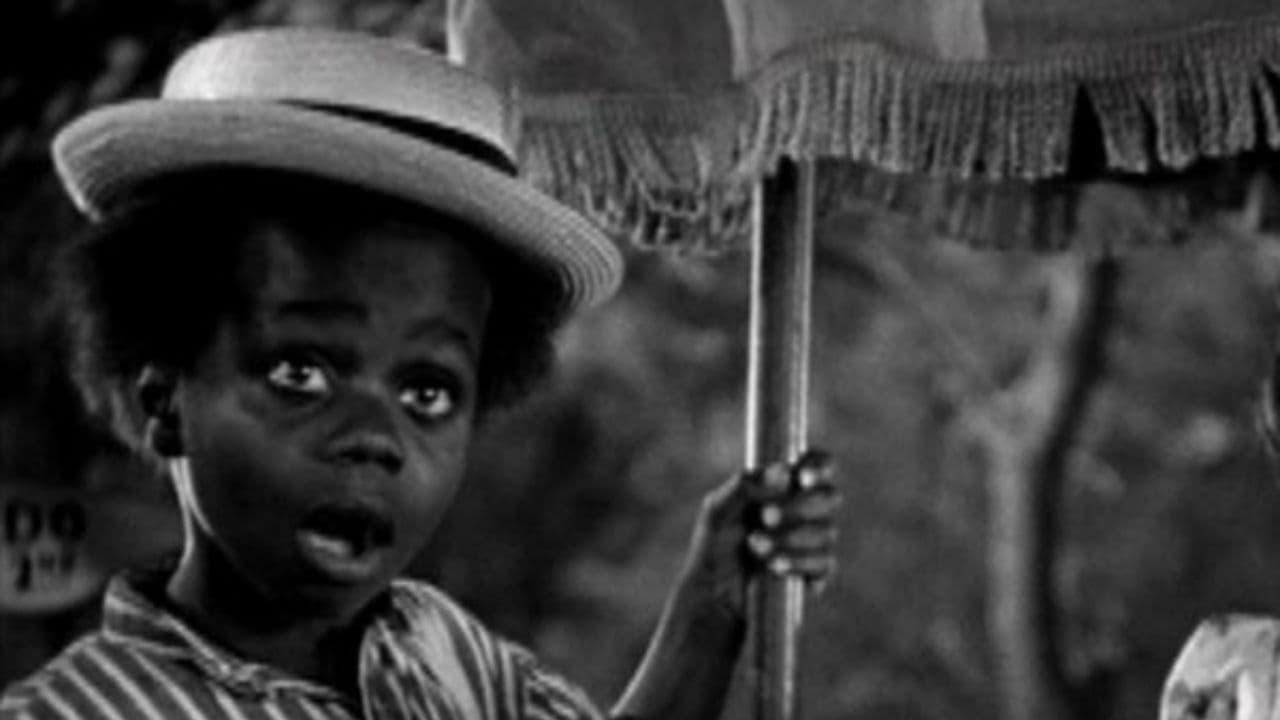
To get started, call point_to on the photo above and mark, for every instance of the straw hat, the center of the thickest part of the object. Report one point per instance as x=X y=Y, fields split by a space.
x=373 y=113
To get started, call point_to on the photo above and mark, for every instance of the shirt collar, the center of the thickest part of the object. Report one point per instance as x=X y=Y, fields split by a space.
x=135 y=612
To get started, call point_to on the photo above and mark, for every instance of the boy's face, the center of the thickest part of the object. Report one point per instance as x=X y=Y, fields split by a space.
x=327 y=424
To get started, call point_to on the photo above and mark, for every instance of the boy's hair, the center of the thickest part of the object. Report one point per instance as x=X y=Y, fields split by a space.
x=150 y=283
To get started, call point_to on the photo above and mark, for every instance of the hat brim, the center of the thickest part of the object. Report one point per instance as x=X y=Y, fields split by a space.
x=103 y=156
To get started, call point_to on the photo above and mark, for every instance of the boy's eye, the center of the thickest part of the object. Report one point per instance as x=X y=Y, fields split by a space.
x=430 y=402
x=298 y=377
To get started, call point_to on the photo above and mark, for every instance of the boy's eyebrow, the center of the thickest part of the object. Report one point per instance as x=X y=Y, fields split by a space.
x=432 y=327
x=320 y=309
x=342 y=310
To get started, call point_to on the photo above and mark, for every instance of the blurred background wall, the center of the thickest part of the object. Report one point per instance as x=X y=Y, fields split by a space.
x=1160 y=510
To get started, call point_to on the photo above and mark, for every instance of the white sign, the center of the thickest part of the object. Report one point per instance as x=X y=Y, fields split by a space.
x=43 y=564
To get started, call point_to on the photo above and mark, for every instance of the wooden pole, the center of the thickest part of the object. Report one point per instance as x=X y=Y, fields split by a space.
x=777 y=405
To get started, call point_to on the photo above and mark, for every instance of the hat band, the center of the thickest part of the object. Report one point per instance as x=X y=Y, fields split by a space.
x=434 y=133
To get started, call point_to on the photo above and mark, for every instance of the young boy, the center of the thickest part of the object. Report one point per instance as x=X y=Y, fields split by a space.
x=312 y=272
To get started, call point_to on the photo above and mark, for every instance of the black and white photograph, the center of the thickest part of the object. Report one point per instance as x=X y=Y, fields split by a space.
x=640 y=359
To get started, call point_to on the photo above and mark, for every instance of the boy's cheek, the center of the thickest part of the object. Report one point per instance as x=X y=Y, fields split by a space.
x=444 y=448
x=273 y=414
x=431 y=481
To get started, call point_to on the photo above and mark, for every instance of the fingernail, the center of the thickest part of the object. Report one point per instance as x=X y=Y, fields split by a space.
x=759 y=544
x=770 y=516
x=780 y=565
x=775 y=477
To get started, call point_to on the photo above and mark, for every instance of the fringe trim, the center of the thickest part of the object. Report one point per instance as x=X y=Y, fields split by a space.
x=1160 y=103
x=655 y=170
x=678 y=171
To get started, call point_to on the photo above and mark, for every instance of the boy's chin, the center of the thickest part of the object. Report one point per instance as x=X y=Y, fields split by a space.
x=324 y=586
x=326 y=601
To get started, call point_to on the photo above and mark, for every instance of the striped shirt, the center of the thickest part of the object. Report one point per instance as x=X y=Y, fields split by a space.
x=421 y=657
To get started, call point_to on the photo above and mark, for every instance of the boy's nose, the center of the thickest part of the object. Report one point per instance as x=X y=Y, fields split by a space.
x=368 y=436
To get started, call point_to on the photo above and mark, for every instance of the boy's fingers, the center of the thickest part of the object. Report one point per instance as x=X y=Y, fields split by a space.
x=779 y=496
x=767 y=483
x=771 y=516
x=815 y=467
x=789 y=511
x=760 y=546
x=821 y=503
x=812 y=469
x=777 y=482
x=807 y=540
x=801 y=548
x=815 y=507
x=810 y=567
x=815 y=457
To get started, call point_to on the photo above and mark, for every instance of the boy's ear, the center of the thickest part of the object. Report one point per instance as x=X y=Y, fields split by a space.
x=155 y=391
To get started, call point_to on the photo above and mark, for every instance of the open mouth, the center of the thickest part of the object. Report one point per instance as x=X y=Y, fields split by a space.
x=342 y=541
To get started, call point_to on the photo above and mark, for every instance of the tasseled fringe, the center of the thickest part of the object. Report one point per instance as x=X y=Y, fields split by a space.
x=654 y=170
x=977 y=149
x=1161 y=103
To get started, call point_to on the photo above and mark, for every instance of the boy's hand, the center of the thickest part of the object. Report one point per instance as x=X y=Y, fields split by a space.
x=781 y=520
x=778 y=520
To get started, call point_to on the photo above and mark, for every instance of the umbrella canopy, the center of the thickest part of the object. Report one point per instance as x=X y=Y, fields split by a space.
x=1024 y=123
x=1027 y=123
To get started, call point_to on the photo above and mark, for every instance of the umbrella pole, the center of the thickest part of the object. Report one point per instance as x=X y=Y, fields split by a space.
x=777 y=406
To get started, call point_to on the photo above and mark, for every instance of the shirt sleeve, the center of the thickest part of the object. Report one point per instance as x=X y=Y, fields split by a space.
x=545 y=695
x=499 y=678
x=1226 y=671
x=22 y=702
